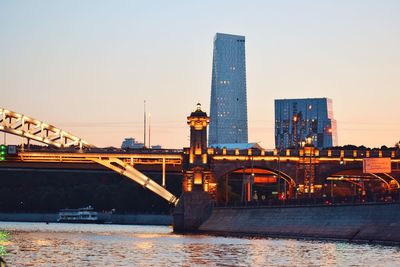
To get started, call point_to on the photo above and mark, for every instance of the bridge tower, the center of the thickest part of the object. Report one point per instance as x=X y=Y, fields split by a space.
x=308 y=162
x=199 y=185
x=197 y=175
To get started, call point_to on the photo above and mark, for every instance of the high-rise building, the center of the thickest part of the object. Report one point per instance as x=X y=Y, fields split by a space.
x=296 y=119
x=228 y=110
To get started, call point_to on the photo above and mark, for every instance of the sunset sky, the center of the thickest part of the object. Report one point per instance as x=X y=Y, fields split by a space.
x=87 y=66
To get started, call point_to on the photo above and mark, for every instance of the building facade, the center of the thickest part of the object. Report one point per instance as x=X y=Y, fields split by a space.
x=296 y=119
x=228 y=109
x=131 y=143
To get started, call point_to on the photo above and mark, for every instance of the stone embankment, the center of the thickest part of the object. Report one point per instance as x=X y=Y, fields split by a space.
x=379 y=223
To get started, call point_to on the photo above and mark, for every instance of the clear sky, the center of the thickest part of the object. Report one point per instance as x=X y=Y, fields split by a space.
x=87 y=66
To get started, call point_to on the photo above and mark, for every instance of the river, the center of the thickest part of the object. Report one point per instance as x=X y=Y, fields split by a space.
x=40 y=244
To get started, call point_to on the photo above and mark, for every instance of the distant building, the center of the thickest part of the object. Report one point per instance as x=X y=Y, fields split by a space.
x=131 y=143
x=156 y=147
x=295 y=119
x=228 y=109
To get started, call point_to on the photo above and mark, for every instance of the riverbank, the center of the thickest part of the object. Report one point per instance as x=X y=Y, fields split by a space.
x=375 y=222
x=134 y=219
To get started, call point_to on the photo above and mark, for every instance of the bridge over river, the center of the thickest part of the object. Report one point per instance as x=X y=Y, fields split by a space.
x=224 y=174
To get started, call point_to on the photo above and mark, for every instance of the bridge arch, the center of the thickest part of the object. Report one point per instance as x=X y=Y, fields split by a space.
x=263 y=181
x=360 y=179
x=20 y=125
x=284 y=176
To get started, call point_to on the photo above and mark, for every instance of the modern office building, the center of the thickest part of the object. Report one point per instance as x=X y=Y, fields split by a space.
x=296 y=119
x=228 y=109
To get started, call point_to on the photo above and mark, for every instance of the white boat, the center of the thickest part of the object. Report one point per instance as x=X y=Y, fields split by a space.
x=82 y=215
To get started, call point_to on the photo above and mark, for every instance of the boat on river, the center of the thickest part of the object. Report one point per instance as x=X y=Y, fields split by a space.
x=81 y=215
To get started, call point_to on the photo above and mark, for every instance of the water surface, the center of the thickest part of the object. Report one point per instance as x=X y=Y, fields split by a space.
x=39 y=244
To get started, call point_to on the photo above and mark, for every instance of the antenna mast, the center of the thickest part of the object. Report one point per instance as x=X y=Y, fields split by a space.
x=144 y=124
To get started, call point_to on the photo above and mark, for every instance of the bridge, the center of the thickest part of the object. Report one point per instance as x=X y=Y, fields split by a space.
x=224 y=174
x=33 y=129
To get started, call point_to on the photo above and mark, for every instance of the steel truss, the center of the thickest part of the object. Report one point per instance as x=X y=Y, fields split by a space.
x=32 y=129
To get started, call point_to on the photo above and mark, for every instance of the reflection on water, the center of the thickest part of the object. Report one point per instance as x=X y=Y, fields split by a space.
x=37 y=244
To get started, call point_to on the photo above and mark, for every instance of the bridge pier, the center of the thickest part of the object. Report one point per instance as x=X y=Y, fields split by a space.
x=192 y=210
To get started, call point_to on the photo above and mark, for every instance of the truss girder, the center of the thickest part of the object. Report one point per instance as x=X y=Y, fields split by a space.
x=24 y=126
x=127 y=170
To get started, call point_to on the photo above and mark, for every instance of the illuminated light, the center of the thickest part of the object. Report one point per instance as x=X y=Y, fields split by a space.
x=204 y=158
x=294 y=118
x=198 y=178
x=206 y=187
x=197 y=151
x=264 y=180
x=2 y=152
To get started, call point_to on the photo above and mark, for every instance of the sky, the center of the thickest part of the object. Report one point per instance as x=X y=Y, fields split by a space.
x=87 y=66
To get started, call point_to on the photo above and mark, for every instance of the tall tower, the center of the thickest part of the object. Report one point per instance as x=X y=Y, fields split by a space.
x=197 y=174
x=228 y=110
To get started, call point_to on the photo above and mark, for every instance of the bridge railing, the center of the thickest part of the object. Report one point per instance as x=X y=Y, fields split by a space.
x=108 y=150
x=323 y=201
x=330 y=153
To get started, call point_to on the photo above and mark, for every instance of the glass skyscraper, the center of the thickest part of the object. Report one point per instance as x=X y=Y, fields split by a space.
x=296 y=119
x=228 y=110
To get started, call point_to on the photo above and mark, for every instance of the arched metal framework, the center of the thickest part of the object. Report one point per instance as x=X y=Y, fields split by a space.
x=24 y=126
x=127 y=170
x=21 y=125
x=385 y=178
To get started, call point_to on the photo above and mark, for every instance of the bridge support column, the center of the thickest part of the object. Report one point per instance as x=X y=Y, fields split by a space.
x=192 y=210
x=199 y=186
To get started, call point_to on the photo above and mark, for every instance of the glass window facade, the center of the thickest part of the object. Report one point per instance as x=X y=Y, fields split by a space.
x=295 y=119
x=228 y=109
